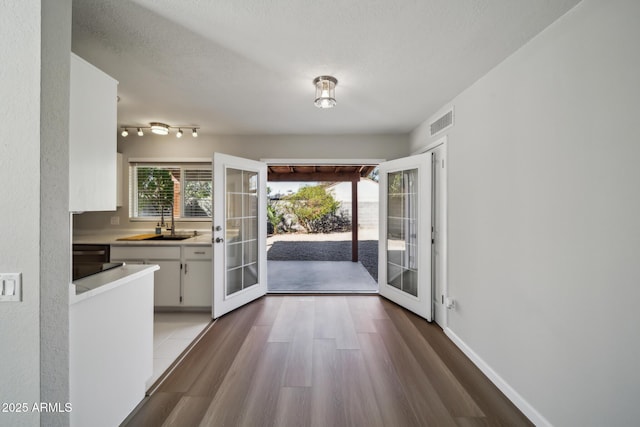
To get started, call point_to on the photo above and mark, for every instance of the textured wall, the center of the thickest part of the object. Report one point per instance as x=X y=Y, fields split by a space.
x=252 y=147
x=20 y=213
x=54 y=220
x=544 y=243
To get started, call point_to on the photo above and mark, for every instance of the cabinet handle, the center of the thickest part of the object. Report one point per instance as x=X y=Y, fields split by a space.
x=185 y=268
x=199 y=252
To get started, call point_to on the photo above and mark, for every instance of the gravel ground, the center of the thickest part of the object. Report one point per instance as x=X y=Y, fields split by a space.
x=322 y=247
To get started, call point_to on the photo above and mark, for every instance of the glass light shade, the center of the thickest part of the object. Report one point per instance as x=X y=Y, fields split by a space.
x=125 y=132
x=159 y=128
x=140 y=133
x=195 y=133
x=325 y=91
x=179 y=133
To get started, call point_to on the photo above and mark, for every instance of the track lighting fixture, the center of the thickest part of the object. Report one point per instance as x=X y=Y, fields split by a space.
x=160 y=129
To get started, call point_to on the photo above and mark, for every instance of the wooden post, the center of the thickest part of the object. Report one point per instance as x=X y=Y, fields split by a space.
x=354 y=218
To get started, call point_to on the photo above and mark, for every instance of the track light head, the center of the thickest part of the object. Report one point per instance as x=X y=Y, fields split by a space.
x=179 y=133
x=195 y=132
x=125 y=132
x=140 y=133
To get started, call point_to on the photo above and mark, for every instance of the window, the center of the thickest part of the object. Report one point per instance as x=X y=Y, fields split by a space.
x=157 y=189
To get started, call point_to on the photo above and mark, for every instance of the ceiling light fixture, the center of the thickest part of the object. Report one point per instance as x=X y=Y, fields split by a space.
x=325 y=91
x=161 y=129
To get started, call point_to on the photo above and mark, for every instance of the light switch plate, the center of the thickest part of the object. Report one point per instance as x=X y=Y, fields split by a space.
x=10 y=287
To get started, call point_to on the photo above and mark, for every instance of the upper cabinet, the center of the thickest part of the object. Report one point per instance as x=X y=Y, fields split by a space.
x=92 y=138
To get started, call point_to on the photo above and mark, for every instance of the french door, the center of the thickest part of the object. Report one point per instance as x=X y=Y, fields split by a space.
x=239 y=232
x=404 y=263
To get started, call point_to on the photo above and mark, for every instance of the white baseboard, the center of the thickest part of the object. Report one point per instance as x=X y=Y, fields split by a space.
x=526 y=408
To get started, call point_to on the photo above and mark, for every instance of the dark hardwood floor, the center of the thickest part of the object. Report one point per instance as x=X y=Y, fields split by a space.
x=326 y=361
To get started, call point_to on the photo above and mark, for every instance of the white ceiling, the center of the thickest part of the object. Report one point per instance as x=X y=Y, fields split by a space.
x=246 y=66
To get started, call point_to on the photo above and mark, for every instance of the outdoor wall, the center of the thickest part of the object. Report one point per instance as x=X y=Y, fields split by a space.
x=254 y=147
x=368 y=203
x=20 y=215
x=544 y=242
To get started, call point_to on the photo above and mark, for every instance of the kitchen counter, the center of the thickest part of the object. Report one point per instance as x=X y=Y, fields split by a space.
x=203 y=239
x=98 y=283
x=110 y=344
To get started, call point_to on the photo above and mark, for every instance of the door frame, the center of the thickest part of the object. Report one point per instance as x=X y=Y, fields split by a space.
x=443 y=188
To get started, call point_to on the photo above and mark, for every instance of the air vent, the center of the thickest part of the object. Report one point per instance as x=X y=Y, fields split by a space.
x=444 y=122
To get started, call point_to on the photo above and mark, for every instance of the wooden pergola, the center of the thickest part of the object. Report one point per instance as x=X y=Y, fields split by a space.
x=327 y=173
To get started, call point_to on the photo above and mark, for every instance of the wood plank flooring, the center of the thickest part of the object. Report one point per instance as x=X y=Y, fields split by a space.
x=326 y=361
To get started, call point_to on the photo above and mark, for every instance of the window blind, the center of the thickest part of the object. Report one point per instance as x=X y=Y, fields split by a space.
x=155 y=189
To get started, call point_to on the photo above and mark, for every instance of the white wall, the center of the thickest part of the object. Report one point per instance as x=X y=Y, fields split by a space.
x=20 y=213
x=544 y=211
x=55 y=246
x=250 y=146
x=35 y=40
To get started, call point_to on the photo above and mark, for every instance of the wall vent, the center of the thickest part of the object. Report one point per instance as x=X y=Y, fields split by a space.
x=444 y=122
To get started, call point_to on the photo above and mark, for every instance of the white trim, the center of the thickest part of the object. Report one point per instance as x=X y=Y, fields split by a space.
x=527 y=409
x=281 y=161
x=442 y=140
x=169 y=160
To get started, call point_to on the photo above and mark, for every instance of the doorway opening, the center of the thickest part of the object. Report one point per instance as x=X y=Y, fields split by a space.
x=323 y=228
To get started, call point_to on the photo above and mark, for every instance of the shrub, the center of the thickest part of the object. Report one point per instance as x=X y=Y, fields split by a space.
x=311 y=203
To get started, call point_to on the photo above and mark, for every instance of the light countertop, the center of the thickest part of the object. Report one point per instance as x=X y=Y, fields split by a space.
x=96 y=284
x=111 y=238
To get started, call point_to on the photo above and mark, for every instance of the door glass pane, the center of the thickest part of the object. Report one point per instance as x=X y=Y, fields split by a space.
x=242 y=229
x=402 y=230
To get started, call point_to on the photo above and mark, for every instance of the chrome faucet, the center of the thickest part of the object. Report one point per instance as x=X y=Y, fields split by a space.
x=173 y=223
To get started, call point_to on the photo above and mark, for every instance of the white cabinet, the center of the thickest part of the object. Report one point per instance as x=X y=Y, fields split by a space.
x=119 y=180
x=197 y=276
x=92 y=138
x=185 y=276
x=167 y=286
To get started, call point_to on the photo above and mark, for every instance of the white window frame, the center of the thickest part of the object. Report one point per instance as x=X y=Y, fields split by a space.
x=183 y=165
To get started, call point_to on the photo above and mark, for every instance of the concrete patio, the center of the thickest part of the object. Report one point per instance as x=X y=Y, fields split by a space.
x=320 y=263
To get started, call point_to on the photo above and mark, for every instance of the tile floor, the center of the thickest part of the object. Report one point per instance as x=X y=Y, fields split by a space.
x=172 y=333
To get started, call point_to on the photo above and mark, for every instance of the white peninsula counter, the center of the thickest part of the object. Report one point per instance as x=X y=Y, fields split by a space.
x=110 y=343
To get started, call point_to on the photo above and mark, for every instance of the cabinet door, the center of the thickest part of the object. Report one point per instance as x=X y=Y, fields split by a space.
x=197 y=283
x=92 y=138
x=166 y=283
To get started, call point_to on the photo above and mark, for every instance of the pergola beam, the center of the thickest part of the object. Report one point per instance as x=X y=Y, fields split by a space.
x=313 y=176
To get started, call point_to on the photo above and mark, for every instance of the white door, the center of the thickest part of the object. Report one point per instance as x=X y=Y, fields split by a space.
x=404 y=265
x=239 y=232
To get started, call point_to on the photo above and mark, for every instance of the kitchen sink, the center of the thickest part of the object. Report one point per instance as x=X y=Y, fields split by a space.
x=170 y=237
x=141 y=237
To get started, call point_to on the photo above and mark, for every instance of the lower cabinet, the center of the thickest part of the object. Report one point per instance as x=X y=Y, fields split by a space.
x=185 y=275
x=197 y=277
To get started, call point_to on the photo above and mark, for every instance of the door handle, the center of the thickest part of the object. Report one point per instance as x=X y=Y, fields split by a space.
x=219 y=240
